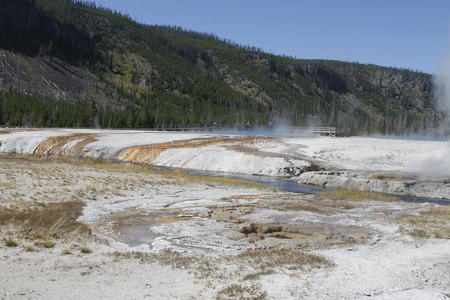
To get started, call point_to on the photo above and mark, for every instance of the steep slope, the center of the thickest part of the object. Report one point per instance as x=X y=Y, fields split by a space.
x=86 y=66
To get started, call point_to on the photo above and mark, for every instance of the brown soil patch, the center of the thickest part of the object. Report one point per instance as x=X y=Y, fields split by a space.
x=55 y=145
x=308 y=235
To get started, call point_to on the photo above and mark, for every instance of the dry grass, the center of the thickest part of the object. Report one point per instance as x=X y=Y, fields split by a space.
x=257 y=275
x=183 y=177
x=290 y=259
x=73 y=161
x=247 y=265
x=29 y=249
x=245 y=292
x=50 y=221
x=440 y=213
x=85 y=250
x=430 y=223
x=66 y=252
x=172 y=176
x=7 y=185
x=355 y=195
x=47 y=244
x=11 y=243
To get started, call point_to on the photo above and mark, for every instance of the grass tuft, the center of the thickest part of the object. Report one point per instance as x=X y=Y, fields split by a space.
x=85 y=250
x=47 y=244
x=239 y=291
x=11 y=243
x=257 y=275
x=30 y=249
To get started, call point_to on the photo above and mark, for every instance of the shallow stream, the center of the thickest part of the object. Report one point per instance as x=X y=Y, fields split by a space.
x=287 y=184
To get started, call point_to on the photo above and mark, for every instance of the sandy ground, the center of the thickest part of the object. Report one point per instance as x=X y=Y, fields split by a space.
x=172 y=236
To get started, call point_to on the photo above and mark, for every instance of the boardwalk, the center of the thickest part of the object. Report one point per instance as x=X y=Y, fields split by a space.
x=320 y=131
x=330 y=131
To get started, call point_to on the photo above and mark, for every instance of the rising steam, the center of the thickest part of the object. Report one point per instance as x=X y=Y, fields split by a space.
x=437 y=163
x=442 y=87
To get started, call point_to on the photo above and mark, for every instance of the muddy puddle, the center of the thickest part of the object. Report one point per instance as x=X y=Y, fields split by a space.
x=135 y=235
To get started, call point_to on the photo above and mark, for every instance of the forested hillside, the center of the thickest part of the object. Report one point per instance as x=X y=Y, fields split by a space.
x=69 y=63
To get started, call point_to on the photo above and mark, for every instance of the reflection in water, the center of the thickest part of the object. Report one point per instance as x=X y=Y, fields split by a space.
x=289 y=185
x=282 y=183
x=135 y=235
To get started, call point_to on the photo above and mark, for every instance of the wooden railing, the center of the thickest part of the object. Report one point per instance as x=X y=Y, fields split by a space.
x=330 y=131
x=324 y=131
x=320 y=131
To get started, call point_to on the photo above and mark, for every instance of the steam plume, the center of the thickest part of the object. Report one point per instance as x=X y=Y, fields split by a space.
x=437 y=163
x=442 y=88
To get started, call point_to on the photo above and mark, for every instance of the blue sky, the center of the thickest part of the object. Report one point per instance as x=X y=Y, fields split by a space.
x=404 y=33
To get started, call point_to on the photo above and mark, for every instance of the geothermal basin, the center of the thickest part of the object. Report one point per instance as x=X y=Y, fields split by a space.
x=321 y=217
